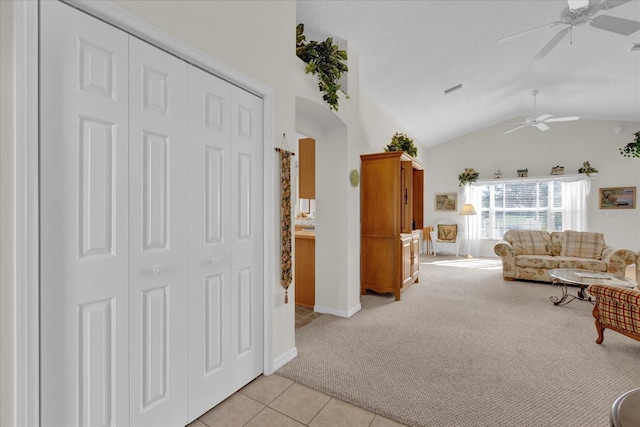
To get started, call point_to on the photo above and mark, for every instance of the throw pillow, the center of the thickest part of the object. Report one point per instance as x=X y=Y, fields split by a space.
x=529 y=242
x=447 y=232
x=582 y=244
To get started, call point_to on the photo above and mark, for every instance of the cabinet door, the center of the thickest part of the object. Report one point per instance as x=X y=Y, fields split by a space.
x=406 y=245
x=307 y=177
x=406 y=187
x=415 y=256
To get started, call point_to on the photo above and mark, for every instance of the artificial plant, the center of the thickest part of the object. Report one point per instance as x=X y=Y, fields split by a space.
x=325 y=60
x=402 y=142
x=632 y=149
x=469 y=175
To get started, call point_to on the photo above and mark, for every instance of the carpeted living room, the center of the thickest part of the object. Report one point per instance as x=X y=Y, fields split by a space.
x=464 y=347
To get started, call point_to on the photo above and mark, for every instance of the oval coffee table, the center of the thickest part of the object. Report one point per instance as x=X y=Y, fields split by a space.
x=582 y=278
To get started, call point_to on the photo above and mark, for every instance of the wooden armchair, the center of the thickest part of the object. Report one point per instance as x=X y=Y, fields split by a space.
x=617 y=309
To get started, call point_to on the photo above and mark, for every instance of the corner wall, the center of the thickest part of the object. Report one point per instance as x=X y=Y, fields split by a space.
x=568 y=144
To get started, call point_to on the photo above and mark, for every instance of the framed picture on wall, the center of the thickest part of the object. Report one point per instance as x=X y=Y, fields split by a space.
x=446 y=202
x=618 y=198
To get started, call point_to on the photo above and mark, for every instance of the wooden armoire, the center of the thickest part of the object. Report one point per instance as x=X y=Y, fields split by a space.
x=391 y=210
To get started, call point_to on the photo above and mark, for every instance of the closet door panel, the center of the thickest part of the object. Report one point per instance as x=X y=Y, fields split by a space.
x=247 y=243
x=84 y=220
x=210 y=373
x=158 y=236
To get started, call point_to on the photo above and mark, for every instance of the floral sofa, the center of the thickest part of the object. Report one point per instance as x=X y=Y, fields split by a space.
x=530 y=254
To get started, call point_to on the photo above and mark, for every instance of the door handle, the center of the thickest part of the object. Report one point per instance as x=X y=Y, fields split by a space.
x=215 y=260
x=156 y=270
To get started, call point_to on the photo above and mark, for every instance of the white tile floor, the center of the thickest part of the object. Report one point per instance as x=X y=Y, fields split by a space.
x=275 y=401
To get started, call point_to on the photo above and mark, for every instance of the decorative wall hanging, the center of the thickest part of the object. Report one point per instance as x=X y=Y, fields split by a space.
x=446 y=202
x=618 y=198
x=285 y=218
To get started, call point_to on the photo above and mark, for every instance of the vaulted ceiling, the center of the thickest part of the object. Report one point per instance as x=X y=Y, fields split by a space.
x=411 y=51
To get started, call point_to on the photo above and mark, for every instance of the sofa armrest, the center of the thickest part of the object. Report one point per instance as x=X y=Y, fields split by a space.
x=505 y=251
x=617 y=260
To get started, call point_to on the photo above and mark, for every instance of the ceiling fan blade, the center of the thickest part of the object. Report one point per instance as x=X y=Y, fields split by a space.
x=519 y=127
x=542 y=118
x=513 y=36
x=542 y=126
x=563 y=119
x=610 y=4
x=554 y=41
x=615 y=25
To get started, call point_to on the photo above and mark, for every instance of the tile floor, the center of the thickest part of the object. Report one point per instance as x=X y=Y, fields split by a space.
x=276 y=401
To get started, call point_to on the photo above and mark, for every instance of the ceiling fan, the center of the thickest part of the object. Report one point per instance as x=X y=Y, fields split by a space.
x=540 y=121
x=581 y=12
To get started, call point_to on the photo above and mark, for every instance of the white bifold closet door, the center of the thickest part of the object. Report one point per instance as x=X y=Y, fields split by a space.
x=157 y=236
x=151 y=230
x=84 y=220
x=225 y=239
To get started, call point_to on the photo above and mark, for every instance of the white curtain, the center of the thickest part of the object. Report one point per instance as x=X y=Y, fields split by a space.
x=574 y=204
x=473 y=195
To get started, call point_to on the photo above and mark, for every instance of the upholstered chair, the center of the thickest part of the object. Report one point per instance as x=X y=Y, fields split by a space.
x=447 y=236
x=617 y=309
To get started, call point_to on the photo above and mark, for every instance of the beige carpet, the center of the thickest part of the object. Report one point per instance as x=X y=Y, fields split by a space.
x=465 y=348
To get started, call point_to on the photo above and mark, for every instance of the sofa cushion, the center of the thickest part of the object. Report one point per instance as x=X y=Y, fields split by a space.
x=447 y=232
x=557 y=237
x=537 y=261
x=529 y=242
x=582 y=244
x=582 y=263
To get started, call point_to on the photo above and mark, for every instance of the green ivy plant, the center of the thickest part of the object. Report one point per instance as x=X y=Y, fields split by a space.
x=402 y=142
x=325 y=60
x=632 y=149
x=469 y=175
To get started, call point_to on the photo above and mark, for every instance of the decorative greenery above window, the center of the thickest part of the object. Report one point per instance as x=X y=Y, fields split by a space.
x=468 y=176
x=402 y=142
x=632 y=149
x=325 y=60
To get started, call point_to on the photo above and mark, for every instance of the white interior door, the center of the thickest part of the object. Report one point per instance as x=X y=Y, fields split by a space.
x=152 y=275
x=209 y=241
x=84 y=240
x=225 y=240
x=247 y=236
x=158 y=236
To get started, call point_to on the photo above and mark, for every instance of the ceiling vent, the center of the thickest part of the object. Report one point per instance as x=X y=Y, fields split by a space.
x=635 y=47
x=452 y=89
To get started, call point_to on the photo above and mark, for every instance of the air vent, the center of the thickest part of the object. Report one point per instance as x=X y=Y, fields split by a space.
x=452 y=89
x=635 y=47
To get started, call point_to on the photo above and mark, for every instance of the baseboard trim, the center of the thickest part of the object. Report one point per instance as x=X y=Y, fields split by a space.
x=340 y=313
x=283 y=359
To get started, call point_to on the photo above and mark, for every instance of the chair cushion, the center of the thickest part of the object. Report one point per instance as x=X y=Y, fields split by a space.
x=447 y=232
x=529 y=242
x=582 y=244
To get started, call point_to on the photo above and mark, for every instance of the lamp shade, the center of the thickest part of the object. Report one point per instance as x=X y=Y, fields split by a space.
x=467 y=209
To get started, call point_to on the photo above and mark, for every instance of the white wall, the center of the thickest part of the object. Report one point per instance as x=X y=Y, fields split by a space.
x=568 y=144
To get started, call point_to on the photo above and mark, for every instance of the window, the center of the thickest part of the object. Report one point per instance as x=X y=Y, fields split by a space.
x=551 y=204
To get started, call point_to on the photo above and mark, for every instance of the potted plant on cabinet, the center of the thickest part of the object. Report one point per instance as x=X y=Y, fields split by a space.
x=402 y=142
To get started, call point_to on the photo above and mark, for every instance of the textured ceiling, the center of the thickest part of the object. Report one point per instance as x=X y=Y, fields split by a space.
x=411 y=51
